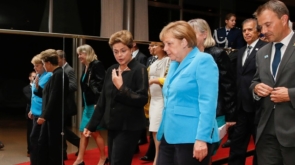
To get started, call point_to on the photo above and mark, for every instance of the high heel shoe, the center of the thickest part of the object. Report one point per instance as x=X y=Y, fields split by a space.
x=106 y=162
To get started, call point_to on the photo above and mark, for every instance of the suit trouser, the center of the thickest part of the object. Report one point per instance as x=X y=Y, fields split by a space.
x=244 y=128
x=71 y=137
x=151 y=149
x=34 y=136
x=180 y=154
x=50 y=143
x=29 y=130
x=121 y=146
x=269 y=150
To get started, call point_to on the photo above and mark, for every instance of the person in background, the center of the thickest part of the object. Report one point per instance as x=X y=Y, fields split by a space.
x=273 y=84
x=54 y=96
x=247 y=107
x=36 y=107
x=91 y=82
x=188 y=127
x=229 y=36
x=120 y=107
x=151 y=151
x=138 y=56
x=226 y=103
x=69 y=135
x=157 y=73
x=27 y=90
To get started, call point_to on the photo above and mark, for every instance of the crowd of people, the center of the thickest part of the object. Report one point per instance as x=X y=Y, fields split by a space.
x=184 y=93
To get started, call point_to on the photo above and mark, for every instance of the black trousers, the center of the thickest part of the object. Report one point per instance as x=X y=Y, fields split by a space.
x=180 y=154
x=244 y=128
x=70 y=136
x=29 y=130
x=50 y=143
x=270 y=151
x=34 y=136
x=121 y=146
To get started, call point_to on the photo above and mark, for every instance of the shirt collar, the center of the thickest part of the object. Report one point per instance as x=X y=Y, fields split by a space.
x=134 y=53
x=253 y=43
x=287 y=39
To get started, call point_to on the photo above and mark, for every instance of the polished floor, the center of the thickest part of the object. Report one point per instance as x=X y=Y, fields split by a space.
x=13 y=135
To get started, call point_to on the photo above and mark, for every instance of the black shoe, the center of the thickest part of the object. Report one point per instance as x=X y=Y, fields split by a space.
x=226 y=144
x=146 y=158
x=142 y=141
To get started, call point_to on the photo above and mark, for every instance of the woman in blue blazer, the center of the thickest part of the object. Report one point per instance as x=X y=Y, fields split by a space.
x=188 y=126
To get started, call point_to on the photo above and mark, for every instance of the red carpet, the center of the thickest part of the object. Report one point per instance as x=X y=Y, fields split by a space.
x=92 y=156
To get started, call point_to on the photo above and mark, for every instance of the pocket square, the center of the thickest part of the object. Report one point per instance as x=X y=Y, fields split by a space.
x=266 y=56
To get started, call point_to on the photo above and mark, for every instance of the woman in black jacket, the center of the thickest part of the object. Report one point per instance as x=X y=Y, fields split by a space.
x=226 y=93
x=120 y=106
x=91 y=84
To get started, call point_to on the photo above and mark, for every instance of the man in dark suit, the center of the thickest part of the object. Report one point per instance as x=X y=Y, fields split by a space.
x=27 y=90
x=246 y=107
x=71 y=104
x=229 y=36
x=274 y=85
x=138 y=55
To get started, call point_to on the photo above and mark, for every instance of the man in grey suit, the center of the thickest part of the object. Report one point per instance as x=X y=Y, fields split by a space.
x=71 y=109
x=274 y=84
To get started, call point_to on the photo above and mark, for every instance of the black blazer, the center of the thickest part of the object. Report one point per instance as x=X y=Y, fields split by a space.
x=244 y=77
x=71 y=103
x=122 y=109
x=226 y=104
x=140 y=57
x=93 y=81
x=27 y=90
x=52 y=100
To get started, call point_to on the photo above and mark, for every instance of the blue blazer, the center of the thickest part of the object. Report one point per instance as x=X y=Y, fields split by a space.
x=190 y=98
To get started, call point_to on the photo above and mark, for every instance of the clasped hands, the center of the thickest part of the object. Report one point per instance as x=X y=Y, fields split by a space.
x=277 y=95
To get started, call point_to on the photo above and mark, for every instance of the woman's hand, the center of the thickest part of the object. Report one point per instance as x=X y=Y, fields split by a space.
x=40 y=120
x=86 y=132
x=200 y=150
x=30 y=115
x=117 y=79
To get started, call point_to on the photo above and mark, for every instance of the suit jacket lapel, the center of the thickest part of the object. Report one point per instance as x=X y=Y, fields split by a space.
x=288 y=53
x=186 y=61
x=267 y=58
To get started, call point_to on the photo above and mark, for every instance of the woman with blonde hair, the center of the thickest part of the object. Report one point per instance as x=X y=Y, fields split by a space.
x=120 y=107
x=91 y=85
x=188 y=127
x=226 y=105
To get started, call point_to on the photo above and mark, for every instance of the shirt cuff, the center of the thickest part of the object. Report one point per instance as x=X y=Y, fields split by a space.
x=256 y=97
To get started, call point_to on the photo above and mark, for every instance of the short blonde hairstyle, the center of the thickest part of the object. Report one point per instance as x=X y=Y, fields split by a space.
x=50 y=55
x=202 y=26
x=88 y=50
x=36 y=59
x=123 y=36
x=161 y=44
x=180 y=30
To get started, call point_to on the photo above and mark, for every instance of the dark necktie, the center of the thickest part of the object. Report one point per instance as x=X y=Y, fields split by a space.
x=277 y=58
x=248 y=51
